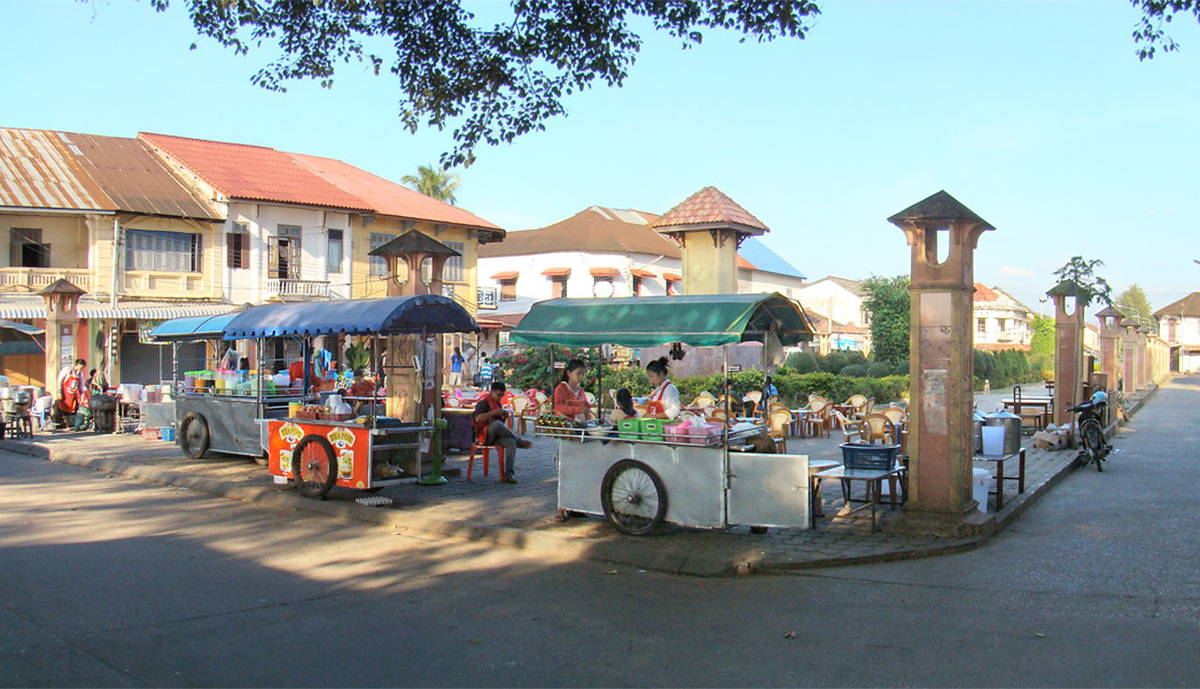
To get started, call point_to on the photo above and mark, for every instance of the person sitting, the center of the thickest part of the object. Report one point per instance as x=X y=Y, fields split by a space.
x=570 y=400
x=488 y=418
x=625 y=408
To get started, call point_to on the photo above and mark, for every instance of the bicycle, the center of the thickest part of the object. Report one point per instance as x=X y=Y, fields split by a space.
x=1095 y=448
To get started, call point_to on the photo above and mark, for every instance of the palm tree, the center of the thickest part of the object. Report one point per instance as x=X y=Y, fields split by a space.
x=433 y=181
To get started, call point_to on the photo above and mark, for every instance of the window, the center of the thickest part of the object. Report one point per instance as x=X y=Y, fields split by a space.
x=379 y=263
x=558 y=287
x=453 y=270
x=26 y=249
x=981 y=325
x=174 y=252
x=335 y=251
x=237 y=246
x=285 y=253
x=1002 y=323
x=508 y=290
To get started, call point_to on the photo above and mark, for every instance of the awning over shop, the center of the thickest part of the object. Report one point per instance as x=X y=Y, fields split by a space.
x=154 y=311
x=426 y=313
x=696 y=320
x=194 y=328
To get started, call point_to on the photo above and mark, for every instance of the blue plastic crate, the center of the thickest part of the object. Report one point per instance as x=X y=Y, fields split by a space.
x=863 y=456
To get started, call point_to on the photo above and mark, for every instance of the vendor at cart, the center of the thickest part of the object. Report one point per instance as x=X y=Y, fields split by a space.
x=570 y=400
x=663 y=402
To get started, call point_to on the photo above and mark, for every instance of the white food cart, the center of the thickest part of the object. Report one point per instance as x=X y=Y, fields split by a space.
x=639 y=481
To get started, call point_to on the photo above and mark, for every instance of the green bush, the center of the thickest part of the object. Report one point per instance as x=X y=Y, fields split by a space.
x=879 y=369
x=802 y=362
x=854 y=371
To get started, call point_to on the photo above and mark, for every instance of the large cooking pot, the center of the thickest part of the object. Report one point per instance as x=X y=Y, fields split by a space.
x=977 y=427
x=102 y=402
x=1012 y=429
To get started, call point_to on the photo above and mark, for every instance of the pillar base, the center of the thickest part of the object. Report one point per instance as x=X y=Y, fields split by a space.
x=969 y=523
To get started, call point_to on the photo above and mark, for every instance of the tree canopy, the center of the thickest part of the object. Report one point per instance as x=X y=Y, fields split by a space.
x=1133 y=303
x=887 y=302
x=434 y=182
x=1077 y=278
x=495 y=82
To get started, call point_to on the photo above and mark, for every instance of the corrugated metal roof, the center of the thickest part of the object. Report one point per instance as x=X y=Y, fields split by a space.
x=38 y=170
x=388 y=198
x=596 y=230
x=134 y=178
x=253 y=173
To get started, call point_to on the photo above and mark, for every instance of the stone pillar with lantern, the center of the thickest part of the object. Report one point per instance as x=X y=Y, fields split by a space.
x=1109 y=335
x=1068 y=349
x=941 y=366
x=415 y=365
x=62 y=319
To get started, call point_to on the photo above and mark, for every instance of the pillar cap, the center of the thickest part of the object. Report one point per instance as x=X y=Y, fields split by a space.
x=709 y=209
x=61 y=286
x=940 y=209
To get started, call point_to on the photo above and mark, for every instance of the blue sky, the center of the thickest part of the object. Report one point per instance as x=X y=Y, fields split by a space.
x=1035 y=114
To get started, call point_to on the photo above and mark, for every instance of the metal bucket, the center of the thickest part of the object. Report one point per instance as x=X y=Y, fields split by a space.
x=977 y=425
x=1012 y=429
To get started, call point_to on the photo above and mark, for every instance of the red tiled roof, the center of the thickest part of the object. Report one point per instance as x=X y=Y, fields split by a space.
x=506 y=275
x=388 y=198
x=253 y=172
x=604 y=272
x=556 y=272
x=984 y=293
x=743 y=263
x=709 y=206
x=639 y=273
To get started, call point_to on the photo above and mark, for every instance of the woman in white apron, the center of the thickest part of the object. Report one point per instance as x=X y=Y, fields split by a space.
x=663 y=402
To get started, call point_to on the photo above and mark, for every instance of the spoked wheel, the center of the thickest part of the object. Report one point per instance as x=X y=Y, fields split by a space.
x=314 y=466
x=633 y=497
x=193 y=436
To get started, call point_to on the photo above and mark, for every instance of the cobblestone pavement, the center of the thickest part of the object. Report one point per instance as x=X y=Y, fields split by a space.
x=525 y=511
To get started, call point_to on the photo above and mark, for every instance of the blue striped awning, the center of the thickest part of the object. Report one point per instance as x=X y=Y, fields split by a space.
x=153 y=311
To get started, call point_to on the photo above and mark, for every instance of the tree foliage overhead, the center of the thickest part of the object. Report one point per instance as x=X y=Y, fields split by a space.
x=434 y=182
x=1078 y=278
x=502 y=80
x=1150 y=34
x=887 y=302
x=1133 y=303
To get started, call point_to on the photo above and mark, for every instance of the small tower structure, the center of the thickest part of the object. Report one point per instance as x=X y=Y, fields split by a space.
x=710 y=227
x=1068 y=349
x=1110 y=334
x=62 y=317
x=941 y=363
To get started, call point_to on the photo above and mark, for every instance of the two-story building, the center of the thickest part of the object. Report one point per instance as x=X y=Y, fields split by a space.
x=1179 y=326
x=105 y=214
x=840 y=322
x=1001 y=321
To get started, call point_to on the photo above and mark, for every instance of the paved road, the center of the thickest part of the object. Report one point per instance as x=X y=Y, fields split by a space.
x=110 y=581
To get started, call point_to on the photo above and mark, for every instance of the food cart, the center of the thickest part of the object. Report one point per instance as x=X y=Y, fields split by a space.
x=255 y=417
x=639 y=480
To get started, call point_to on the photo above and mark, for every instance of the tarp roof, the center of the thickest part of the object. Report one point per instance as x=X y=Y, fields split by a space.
x=696 y=320
x=194 y=328
x=426 y=313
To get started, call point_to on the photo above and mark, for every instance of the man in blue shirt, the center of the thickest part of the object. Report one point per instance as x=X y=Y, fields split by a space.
x=485 y=372
x=456 y=368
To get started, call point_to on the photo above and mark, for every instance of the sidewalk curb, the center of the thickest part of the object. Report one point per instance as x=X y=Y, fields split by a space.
x=644 y=553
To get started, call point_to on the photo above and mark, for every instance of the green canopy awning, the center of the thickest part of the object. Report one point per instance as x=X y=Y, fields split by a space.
x=698 y=320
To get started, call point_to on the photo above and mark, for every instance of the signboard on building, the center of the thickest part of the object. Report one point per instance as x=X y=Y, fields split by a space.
x=488 y=298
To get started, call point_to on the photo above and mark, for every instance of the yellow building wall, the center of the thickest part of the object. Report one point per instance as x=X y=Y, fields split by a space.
x=66 y=235
x=367 y=286
x=152 y=284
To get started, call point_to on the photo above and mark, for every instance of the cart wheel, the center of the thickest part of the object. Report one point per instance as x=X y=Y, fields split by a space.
x=193 y=436
x=314 y=466
x=633 y=496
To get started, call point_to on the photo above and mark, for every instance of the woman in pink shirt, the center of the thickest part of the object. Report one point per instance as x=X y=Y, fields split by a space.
x=569 y=398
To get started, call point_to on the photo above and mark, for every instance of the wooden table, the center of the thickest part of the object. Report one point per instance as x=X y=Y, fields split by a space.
x=1000 y=475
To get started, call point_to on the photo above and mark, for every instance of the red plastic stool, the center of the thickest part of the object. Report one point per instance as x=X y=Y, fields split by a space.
x=484 y=454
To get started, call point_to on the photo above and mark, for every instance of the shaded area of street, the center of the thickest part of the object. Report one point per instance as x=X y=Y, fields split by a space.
x=111 y=581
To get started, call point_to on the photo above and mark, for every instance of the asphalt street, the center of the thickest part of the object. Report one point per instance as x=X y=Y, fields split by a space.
x=109 y=581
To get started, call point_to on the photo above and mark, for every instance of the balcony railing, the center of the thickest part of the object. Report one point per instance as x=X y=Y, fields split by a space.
x=34 y=279
x=296 y=290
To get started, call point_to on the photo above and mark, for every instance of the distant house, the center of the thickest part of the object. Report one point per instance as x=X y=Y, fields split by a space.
x=1179 y=325
x=606 y=252
x=835 y=305
x=1001 y=321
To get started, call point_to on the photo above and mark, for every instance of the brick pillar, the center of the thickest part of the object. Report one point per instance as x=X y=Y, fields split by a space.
x=1068 y=360
x=1109 y=335
x=1143 y=360
x=1129 y=348
x=941 y=365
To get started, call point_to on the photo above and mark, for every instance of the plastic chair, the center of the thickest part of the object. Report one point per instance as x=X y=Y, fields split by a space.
x=876 y=426
x=819 y=416
x=751 y=402
x=779 y=422
x=895 y=415
x=851 y=429
x=485 y=451
x=704 y=400
x=519 y=406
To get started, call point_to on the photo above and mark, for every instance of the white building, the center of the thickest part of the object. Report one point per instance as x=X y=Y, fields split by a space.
x=605 y=252
x=1179 y=325
x=1001 y=321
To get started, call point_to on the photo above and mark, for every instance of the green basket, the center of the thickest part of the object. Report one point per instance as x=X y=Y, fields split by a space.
x=652 y=429
x=629 y=429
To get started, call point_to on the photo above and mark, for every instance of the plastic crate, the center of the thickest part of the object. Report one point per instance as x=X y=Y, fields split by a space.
x=629 y=429
x=652 y=429
x=167 y=434
x=862 y=456
x=149 y=434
